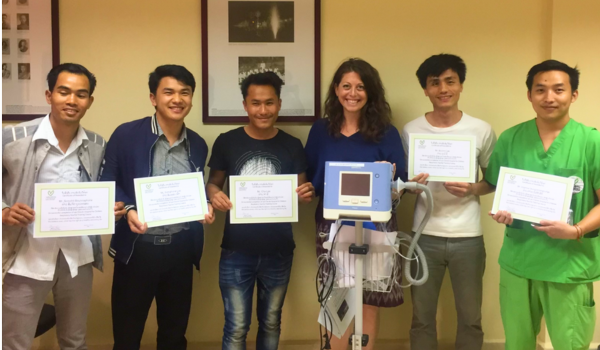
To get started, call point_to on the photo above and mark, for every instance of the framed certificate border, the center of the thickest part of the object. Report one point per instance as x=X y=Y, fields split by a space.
x=39 y=187
x=244 y=37
x=145 y=181
x=504 y=171
x=233 y=180
x=415 y=138
x=23 y=94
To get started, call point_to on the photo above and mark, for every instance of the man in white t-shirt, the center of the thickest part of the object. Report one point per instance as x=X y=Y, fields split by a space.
x=453 y=237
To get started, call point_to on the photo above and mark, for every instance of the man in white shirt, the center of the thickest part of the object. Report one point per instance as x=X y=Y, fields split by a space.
x=50 y=149
x=453 y=237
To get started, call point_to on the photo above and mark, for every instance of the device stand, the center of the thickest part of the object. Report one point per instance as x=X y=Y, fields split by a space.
x=358 y=340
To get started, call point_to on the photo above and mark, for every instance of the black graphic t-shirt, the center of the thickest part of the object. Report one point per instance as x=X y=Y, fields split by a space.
x=236 y=153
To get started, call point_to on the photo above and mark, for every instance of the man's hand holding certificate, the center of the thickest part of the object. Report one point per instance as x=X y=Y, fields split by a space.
x=531 y=196
x=264 y=199
x=172 y=199
x=444 y=157
x=74 y=209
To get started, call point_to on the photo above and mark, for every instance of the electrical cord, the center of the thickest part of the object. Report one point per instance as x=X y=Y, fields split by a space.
x=327 y=270
x=323 y=294
x=325 y=280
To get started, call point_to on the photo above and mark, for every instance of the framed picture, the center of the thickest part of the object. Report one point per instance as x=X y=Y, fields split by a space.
x=240 y=38
x=30 y=48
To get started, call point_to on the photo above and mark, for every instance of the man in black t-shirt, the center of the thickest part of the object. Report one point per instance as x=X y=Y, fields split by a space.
x=256 y=253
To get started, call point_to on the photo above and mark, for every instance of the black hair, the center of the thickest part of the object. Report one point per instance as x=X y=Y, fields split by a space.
x=435 y=65
x=266 y=78
x=71 y=68
x=550 y=65
x=180 y=73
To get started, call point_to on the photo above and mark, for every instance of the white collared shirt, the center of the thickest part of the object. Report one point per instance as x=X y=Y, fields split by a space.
x=37 y=257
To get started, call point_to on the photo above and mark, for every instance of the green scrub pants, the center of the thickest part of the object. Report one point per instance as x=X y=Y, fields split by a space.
x=567 y=307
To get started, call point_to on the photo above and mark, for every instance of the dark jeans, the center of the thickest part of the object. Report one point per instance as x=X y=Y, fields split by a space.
x=237 y=275
x=164 y=272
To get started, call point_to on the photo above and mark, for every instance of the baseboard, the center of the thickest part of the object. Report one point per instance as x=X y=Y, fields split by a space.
x=312 y=345
x=593 y=346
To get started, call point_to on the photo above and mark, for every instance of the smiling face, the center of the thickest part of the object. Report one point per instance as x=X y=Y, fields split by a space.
x=551 y=95
x=444 y=91
x=173 y=99
x=262 y=105
x=70 y=98
x=351 y=93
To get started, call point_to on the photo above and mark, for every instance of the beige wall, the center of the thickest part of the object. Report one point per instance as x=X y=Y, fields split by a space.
x=121 y=41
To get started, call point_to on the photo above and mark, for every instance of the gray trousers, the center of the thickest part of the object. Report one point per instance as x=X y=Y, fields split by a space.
x=465 y=260
x=23 y=299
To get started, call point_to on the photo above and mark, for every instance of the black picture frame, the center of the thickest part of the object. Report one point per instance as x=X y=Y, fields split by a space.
x=209 y=72
x=54 y=36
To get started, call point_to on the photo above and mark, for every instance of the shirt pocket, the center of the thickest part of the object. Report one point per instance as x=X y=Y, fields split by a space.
x=567 y=172
x=576 y=173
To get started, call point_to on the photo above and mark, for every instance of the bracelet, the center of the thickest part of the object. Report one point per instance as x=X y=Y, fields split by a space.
x=579 y=232
x=128 y=208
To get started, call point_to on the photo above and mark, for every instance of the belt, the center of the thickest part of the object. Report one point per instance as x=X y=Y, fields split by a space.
x=156 y=239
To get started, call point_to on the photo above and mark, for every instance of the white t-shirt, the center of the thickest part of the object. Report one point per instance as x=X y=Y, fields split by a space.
x=452 y=216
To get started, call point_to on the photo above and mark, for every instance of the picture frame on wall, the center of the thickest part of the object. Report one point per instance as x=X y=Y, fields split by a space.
x=30 y=48
x=244 y=37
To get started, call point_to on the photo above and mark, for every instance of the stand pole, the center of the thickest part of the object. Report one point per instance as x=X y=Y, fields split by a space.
x=358 y=285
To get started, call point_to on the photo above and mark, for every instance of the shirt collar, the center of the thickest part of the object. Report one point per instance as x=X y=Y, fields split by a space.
x=46 y=132
x=159 y=131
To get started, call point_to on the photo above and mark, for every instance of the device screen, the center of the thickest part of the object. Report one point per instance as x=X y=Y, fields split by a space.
x=356 y=184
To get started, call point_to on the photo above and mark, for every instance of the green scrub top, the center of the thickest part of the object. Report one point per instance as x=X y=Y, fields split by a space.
x=574 y=153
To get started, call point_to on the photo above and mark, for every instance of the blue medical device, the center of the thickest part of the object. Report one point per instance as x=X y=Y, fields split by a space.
x=358 y=191
x=363 y=192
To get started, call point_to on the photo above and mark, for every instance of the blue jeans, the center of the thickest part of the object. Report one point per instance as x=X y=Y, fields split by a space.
x=238 y=273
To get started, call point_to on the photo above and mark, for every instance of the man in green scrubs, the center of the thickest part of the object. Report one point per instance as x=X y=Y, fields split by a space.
x=549 y=269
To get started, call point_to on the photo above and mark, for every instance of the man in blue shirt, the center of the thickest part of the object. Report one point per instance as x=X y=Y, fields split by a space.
x=156 y=262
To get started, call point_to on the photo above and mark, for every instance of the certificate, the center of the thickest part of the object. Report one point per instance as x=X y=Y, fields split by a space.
x=443 y=157
x=171 y=199
x=74 y=209
x=532 y=196
x=263 y=199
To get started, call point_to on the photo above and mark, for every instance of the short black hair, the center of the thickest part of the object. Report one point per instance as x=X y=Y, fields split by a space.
x=266 y=78
x=180 y=73
x=71 y=68
x=435 y=65
x=550 y=65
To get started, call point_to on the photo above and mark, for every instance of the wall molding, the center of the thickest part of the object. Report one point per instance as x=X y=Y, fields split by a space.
x=312 y=345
